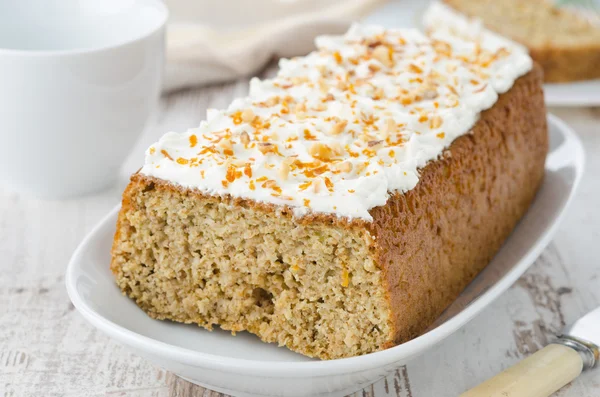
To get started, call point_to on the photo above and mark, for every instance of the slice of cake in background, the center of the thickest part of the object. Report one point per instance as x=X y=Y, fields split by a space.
x=343 y=205
x=563 y=40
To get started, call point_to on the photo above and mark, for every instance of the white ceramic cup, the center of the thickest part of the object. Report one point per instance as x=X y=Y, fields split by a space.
x=79 y=80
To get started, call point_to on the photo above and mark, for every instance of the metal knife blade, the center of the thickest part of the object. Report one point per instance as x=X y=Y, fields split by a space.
x=587 y=328
x=584 y=336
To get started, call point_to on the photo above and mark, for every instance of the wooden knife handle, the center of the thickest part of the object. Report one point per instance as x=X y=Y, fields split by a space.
x=539 y=375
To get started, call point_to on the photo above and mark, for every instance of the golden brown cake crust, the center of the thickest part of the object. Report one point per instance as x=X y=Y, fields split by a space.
x=433 y=240
x=437 y=237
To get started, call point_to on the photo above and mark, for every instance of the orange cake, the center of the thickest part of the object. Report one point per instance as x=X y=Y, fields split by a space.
x=341 y=206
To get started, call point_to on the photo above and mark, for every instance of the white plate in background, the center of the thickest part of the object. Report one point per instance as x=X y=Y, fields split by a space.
x=408 y=13
x=244 y=366
x=581 y=93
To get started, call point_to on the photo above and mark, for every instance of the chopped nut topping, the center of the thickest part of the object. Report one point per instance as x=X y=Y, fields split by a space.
x=317 y=185
x=375 y=145
x=321 y=151
x=378 y=94
x=284 y=171
x=245 y=138
x=345 y=166
x=383 y=55
x=299 y=80
x=337 y=148
x=373 y=67
x=270 y=184
x=360 y=167
x=272 y=101
x=319 y=107
x=247 y=115
x=266 y=147
x=390 y=127
x=338 y=127
x=430 y=94
x=225 y=144
x=435 y=122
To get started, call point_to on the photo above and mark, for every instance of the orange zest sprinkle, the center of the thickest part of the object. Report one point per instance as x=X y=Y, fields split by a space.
x=182 y=161
x=441 y=135
x=306 y=202
x=193 y=140
x=237 y=118
x=166 y=154
x=345 y=278
x=308 y=136
x=305 y=185
x=248 y=170
x=230 y=175
x=414 y=68
x=328 y=184
x=207 y=149
x=251 y=185
x=337 y=57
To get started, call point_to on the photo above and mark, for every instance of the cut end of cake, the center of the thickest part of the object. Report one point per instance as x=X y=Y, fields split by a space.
x=313 y=287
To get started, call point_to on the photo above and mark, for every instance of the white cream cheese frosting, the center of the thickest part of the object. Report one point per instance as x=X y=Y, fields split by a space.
x=337 y=130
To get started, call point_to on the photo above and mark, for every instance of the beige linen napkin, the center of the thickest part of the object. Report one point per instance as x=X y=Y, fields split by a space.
x=211 y=41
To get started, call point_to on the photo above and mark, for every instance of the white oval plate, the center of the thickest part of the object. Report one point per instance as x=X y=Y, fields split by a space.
x=580 y=93
x=408 y=13
x=244 y=366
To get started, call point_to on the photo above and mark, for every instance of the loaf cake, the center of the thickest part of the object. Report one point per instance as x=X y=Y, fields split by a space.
x=341 y=206
x=562 y=40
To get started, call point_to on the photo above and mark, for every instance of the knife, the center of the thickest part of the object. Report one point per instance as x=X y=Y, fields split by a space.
x=551 y=368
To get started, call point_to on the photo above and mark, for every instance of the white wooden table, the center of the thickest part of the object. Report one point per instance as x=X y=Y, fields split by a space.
x=47 y=348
